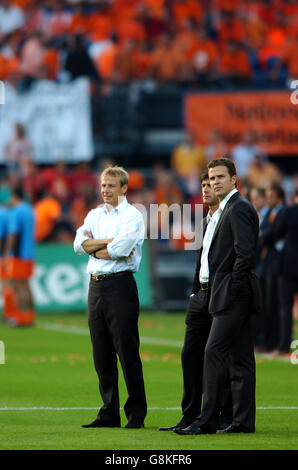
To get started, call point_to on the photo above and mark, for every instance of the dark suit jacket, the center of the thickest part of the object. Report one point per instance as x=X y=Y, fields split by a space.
x=286 y=227
x=232 y=256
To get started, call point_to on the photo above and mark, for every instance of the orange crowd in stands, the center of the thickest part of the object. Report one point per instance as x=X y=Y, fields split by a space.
x=165 y=40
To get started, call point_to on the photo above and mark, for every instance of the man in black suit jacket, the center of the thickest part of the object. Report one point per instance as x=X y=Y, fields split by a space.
x=198 y=323
x=286 y=228
x=232 y=294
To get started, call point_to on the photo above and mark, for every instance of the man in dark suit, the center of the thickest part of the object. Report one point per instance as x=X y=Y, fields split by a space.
x=272 y=265
x=230 y=293
x=286 y=228
x=198 y=323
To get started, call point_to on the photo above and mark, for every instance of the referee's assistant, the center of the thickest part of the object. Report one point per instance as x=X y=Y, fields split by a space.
x=113 y=234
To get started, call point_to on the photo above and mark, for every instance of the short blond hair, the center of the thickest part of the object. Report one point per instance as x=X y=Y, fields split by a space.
x=117 y=172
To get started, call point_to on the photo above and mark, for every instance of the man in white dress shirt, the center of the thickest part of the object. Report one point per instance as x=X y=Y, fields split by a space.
x=112 y=235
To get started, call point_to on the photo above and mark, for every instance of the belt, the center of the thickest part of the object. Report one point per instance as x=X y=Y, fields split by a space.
x=204 y=285
x=106 y=277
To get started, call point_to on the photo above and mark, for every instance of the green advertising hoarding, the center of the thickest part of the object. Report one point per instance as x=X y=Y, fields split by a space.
x=60 y=282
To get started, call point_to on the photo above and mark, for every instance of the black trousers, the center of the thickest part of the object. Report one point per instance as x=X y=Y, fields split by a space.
x=198 y=324
x=113 y=311
x=230 y=347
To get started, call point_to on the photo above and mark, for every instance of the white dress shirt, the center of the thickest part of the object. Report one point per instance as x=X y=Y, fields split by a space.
x=211 y=226
x=125 y=224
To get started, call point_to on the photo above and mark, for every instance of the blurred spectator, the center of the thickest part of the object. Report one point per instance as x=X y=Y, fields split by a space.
x=78 y=62
x=58 y=20
x=18 y=149
x=185 y=9
x=231 y=29
x=205 y=58
x=32 y=181
x=257 y=196
x=32 y=59
x=47 y=211
x=188 y=161
x=235 y=65
x=57 y=182
x=82 y=178
x=82 y=203
x=272 y=254
x=244 y=154
x=105 y=60
x=169 y=64
x=262 y=173
x=166 y=193
x=11 y=18
x=286 y=227
x=216 y=147
x=123 y=70
x=99 y=23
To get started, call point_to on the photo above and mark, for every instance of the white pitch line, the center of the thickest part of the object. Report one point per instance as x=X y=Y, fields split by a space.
x=85 y=332
x=71 y=408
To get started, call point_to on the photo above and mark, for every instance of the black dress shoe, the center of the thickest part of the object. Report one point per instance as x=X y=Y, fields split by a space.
x=134 y=425
x=193 y=429
x=233 y=429
x=100 y=423
x=223 y=426
x=181 y=425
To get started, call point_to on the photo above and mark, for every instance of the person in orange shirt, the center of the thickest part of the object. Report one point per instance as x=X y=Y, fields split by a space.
x=123 y=70
x=169 y=63
x=183 y=9
x=80 y=22
x=47 y=211
x=100 y=23
x=231 y=28
x=186 y=37
x=235 y=65
x=204 y=57
x=142 y=60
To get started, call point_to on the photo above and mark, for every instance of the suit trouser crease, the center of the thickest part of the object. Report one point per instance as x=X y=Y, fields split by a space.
x=230 y=348
x=198 y=324
x=113 y=308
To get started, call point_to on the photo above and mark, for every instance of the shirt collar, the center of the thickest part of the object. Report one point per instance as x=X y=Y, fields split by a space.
x=223 y=203
x=214 y=216
x=120 y=208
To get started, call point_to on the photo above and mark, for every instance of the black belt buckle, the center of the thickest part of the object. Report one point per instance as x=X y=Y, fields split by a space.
x=204 y=285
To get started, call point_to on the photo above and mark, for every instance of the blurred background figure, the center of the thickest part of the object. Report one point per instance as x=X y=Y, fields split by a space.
x=272 y=255
x=286 y=229
x=19 y=258
x=18 y=149
x=188 y=162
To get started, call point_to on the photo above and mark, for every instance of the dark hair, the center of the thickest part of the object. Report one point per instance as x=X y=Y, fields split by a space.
x=204 y=176
x=261 y=191
x=227 y=162
x=18 y=192
x=276 y=187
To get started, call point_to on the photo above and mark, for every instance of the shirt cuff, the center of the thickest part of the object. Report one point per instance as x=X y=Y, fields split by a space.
x=111 y=251
x=80 y=247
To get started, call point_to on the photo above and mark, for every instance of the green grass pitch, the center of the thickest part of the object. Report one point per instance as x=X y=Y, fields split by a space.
x=48 y=388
